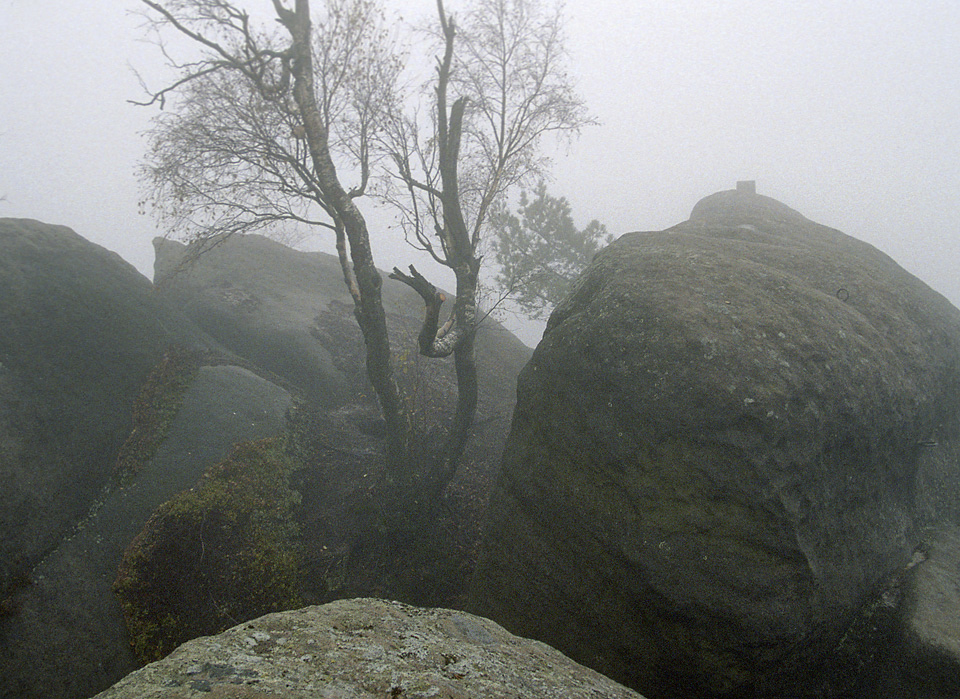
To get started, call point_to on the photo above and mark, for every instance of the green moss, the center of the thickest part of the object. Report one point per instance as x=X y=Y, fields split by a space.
x=155 y=408
x=216 y=555
x=681 y=505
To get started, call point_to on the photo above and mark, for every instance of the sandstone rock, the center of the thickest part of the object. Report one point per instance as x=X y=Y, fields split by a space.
x=67 y=638
x=289 y=312
x=366 y=648
x=720 y=449
x=80 y=329
x=260 y=299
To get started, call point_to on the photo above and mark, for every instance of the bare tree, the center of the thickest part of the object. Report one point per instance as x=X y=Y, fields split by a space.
x=258 y=122
x=261 y=121
x=501 y=85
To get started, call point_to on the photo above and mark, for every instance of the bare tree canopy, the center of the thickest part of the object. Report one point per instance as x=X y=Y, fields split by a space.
x=506 y=65
x=232 y=156
x=267 y=126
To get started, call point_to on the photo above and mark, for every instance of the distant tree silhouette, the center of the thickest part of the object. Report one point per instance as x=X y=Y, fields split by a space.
x=540 y=251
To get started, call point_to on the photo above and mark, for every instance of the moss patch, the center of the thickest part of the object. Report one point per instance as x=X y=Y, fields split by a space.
x=216 y=555
x=155 y=408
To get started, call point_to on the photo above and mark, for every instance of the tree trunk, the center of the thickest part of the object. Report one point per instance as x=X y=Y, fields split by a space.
x=465 y=363
x=369 y=310
x=460 y=252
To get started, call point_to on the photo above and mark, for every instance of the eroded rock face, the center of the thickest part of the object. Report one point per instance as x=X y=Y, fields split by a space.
x=80 y=329
x=366 y=648
x=260 y=300
x=725 y=441
x=66 y=637
x=289 y=312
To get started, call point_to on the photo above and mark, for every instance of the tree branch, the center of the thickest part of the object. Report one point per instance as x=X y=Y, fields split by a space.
x=196 y=36
x=434 y=340
x=161 y=96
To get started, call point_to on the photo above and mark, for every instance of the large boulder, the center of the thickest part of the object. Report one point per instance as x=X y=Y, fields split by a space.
x=722 y=450
x=261 y=300
x=117 y=412
x=366 y=648
x=289 y=312
x=80 y=329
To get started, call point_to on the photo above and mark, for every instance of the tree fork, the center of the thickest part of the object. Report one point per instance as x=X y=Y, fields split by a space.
x=436 y=341
x=433 y=340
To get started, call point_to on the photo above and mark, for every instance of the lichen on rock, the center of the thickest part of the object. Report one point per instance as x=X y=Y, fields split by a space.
x=367 y=649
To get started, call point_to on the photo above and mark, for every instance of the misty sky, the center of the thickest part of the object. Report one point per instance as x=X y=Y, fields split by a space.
x=846 y=110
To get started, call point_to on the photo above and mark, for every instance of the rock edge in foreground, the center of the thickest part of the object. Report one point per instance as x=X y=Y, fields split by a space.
x=366 y=648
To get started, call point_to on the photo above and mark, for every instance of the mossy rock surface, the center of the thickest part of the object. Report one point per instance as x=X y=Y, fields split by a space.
x=67 y=637
x=222 y=552
x=726 y=440
x=80 y=329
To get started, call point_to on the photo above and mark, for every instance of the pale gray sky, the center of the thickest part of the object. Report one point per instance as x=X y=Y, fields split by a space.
x=846 y=110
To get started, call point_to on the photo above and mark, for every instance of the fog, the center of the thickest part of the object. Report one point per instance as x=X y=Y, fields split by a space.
x=847 y=112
